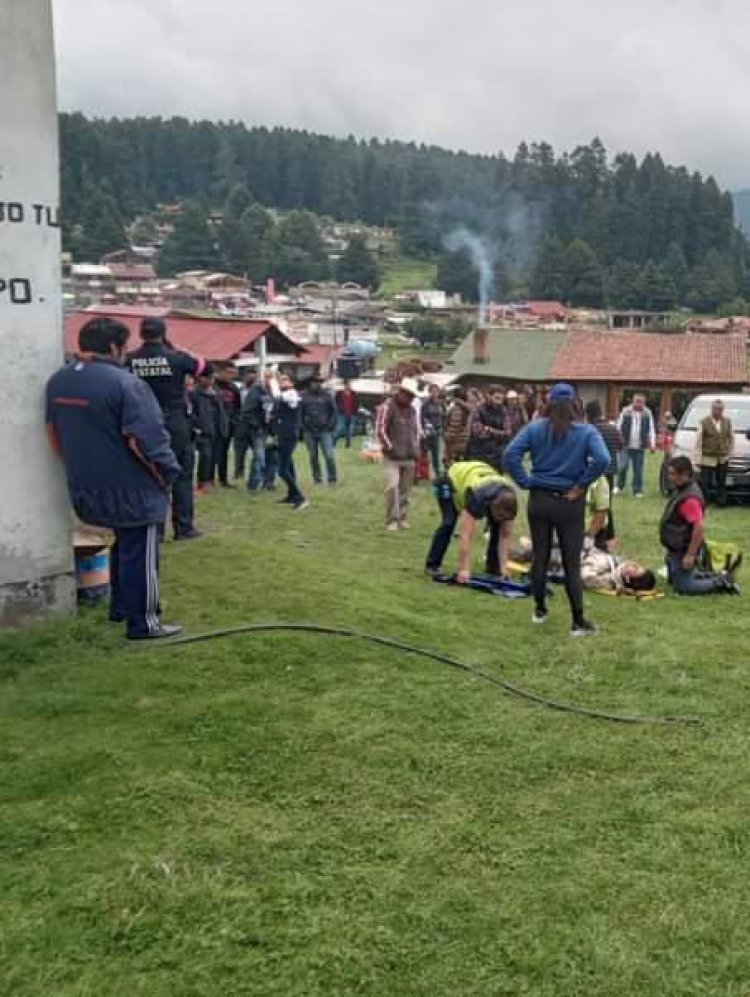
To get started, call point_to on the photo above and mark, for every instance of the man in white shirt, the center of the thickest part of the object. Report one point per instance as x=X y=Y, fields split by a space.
x=636 y=423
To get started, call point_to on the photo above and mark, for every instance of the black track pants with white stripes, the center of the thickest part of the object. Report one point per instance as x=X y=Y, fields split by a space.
x=134 y=581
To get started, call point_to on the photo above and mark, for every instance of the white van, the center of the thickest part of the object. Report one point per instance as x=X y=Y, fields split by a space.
x=736 y=408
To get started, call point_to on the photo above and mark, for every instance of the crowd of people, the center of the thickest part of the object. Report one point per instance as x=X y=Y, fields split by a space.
x=141 y=433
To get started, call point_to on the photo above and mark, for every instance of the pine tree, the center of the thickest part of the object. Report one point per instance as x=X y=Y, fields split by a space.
x=145 y=231
x=358 y=264
x=102 y=229
x=457 y=274
x=549 y=280
x=191 y=246
x=238 y=201
x=300 y=253
x=259 y=235
x=584 y=277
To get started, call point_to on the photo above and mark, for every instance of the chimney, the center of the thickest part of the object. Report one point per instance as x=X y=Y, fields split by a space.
x=481 y=345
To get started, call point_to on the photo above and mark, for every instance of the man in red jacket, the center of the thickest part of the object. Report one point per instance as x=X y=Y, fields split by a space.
x=347 y=406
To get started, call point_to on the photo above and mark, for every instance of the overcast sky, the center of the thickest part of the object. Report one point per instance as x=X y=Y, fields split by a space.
x=666 y=75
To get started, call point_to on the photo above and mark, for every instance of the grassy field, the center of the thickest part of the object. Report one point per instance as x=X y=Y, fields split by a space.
x=405 y=273
x=292 y=815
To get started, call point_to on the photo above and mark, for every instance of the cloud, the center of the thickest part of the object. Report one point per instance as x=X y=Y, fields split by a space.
x=658 y=75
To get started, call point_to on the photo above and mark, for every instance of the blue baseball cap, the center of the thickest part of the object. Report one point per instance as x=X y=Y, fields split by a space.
x=561 y=390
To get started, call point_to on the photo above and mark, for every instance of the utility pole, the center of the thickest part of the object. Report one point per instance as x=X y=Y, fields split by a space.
x=36 y=569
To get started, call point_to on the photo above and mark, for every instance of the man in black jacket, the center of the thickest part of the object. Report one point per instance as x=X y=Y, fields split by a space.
x=489 y=432
x=210 y=426
x=232 y=401
x=319 y=417
x=256 y=416
x=164 y=369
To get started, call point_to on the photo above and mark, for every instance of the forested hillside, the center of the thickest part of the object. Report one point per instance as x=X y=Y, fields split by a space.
x=576 y=226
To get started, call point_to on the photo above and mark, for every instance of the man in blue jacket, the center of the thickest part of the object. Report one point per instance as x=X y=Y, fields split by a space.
x=567 y=455
x=109 y=431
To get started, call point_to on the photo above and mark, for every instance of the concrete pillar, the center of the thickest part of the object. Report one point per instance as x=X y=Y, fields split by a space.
x=36 y=571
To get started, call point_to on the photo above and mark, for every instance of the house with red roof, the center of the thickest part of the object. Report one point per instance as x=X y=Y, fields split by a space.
x=216 y=339
x=669 y=368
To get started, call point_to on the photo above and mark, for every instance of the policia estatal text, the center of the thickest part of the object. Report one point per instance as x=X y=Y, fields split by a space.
x=164 y=370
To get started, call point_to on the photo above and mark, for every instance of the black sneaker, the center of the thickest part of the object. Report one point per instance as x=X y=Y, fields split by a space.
x=299 y=506
x=539 y=616
x=192 y=535
x=584 y=628
x=162 y=632
x=431 y=572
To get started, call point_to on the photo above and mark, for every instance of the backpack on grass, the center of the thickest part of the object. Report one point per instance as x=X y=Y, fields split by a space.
x=719 y=557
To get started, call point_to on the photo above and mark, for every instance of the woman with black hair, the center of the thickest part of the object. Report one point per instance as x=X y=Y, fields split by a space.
x=566 y=457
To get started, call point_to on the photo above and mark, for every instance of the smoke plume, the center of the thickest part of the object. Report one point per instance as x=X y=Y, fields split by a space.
x=461 y=238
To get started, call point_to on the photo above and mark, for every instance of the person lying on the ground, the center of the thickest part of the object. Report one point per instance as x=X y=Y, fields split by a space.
x=471 y=492
x=604 y=572
x=599 y=569
x=682 y=534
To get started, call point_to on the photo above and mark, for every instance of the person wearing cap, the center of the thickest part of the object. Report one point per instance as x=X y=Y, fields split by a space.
x=515 y=413
x=164 y=369
x=472 y=492
x=211 y=427
x=109 y=431
x=567 y=456
x=397 y=430
x=319 y=420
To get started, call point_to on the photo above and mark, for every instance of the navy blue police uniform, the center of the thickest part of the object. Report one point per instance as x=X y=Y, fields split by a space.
x=109 y=431
x=164 y=370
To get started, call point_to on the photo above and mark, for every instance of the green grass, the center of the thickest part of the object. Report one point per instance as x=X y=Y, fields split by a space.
x=290 y=815
x=406 y=273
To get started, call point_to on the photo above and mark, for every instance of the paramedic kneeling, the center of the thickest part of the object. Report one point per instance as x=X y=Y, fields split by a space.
x=682 y=533
x=566 y=457
x=472 y=491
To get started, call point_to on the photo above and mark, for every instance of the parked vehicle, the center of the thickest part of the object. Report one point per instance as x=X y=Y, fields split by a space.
x=737 y=408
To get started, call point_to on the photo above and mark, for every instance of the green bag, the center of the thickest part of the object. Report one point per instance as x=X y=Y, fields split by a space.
x=717 y=557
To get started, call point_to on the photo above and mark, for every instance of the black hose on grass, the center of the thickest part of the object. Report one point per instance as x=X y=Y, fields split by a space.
x=425 y=652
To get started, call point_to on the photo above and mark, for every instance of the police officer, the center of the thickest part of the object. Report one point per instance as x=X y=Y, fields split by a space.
x=110 y=434
x=164 y=370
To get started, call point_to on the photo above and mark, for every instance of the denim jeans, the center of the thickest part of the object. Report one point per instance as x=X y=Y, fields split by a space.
x=434 y=447
x=692 y=582
x=637 y=459
x=344 y=428
x=258 y=469
x=441 y=539
x=287 y=472
x=324 y=441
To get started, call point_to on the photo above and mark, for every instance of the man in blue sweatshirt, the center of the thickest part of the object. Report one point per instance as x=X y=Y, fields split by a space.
x=109 y=431
x=567 y=455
